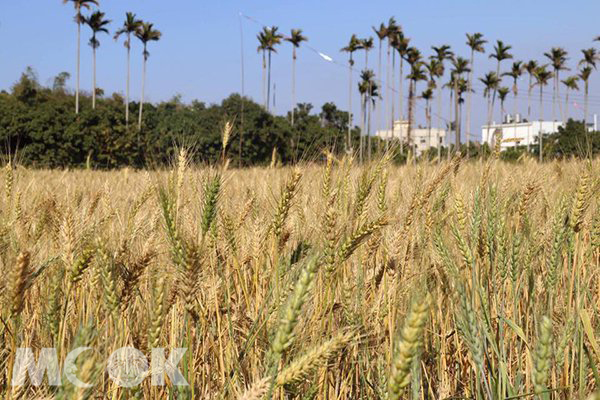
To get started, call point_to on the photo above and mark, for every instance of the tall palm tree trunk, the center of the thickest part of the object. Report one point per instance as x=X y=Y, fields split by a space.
x=94 y=80
x=379 y=109
x=585 y=106
x=293 y=83
x=554 y=101
x=560 y=107
x=529 y=113
x=387 y=89
x=362 y=128
x=566 y=104
x=393 y=81
x=411 y=109
x=469 y=94
x=456 y=117
x=495 y=89
x=78 y=53
x=489 y=116
x=401 y=100
x=541 y=120
x=428 y=117
x=515 y=100
x=349 y=144
x=439 y=118
x=143 y=89
x=269 y=84
x=450 y=118
x=370 y=111
x=460 y=110
x=128 y=78
x=264 y=78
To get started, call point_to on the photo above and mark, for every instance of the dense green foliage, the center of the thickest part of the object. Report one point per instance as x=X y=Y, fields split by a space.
x=572 y=140
x=39 y=129
x=37 y=125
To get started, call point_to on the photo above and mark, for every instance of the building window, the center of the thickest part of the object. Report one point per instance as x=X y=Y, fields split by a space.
x=423 y=141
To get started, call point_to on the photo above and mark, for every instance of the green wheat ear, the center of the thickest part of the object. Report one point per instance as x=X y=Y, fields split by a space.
x=209 y=203
x=285 y=333
x=407 y=348
x=542 y=356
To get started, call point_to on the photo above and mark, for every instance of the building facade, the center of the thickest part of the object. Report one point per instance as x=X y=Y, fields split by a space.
x=518 y=132
x=421 y=138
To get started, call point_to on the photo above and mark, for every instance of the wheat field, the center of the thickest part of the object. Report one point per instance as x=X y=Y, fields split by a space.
x=452 y=280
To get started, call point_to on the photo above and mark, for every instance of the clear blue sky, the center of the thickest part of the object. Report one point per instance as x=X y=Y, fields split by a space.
x=199 y=54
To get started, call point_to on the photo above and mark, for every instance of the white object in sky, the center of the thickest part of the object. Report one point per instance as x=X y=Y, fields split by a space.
x=326 y=57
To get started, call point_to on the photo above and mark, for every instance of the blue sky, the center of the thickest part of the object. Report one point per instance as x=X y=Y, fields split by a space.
x=199 y=54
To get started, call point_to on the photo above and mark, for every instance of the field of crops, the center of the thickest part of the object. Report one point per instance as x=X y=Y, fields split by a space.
x=458 y=280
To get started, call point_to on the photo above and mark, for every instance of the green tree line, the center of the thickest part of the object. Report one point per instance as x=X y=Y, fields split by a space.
x=38 y=128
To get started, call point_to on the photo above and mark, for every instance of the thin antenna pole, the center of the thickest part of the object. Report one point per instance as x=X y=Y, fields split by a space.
x=242 y=98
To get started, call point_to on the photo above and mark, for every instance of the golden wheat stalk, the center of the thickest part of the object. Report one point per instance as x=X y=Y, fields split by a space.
x=303 y=366
x=257 y=390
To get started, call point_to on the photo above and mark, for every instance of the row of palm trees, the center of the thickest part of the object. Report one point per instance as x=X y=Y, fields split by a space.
x=132 y=26
x=432 y=71
x=268 y=39
x=462 y=76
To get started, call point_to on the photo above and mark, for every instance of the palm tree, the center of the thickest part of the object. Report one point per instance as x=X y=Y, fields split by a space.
x=373 y=95
x=502 y=93
x=97 y=24
x=462 y=87
x=130 y=26
x=460 y=66
x=295 y=39
x=353 y=45
x=263 y=39
x=392 y=30
x=491 y=82
x=401 y=45
x=530 y=67
x=558 y=59
x=381 y=34
x=79 y=4
x=475 y=43
x=590 y=56
x=364 y=88
x=427 y=95
x=501 y=53
x=367 y=45
x=542 y=77
x=442 y=53
x=515 y=73
x=435 y=69
x=146 y=33
x=584 y=75
x=371 y=89
x=273 y=39
x=571 y=83
x=417 y=73
x=392 y=38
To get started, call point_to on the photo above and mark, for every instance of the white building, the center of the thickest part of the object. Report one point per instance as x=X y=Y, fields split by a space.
x=422 y=138
x=518 y=132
